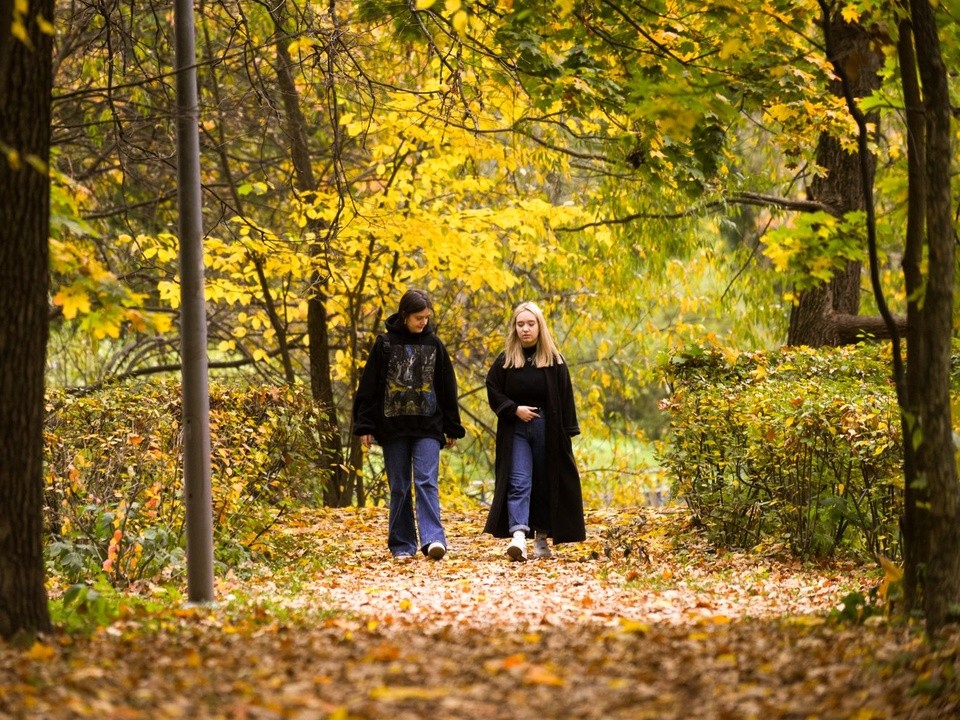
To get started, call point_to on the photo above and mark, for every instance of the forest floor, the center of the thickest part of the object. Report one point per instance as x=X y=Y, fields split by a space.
x=644 y=620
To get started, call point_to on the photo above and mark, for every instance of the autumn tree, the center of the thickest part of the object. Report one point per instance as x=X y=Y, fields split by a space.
x=932 y=513
x=645 y=59
x=336 y=176
x=26 y=33
x=828 y=313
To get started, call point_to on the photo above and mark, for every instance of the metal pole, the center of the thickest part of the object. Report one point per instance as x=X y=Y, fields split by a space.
x=193 y=320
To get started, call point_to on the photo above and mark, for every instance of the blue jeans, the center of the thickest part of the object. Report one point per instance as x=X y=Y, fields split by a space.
x=526 y=467
x=415 y=460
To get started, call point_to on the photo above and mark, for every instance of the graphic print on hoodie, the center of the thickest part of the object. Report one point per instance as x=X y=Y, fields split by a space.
x=409 y=386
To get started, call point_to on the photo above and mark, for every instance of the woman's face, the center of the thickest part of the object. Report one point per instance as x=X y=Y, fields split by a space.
x=417 y=321
x=528 y=330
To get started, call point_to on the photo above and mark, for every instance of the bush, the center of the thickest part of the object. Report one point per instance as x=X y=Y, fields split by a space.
x=114 y=497
x=799 y=446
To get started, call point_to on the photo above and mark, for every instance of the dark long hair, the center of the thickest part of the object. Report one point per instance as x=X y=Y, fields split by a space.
x=413 y=301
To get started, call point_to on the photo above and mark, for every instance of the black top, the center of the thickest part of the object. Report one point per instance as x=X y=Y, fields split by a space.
x=526 y=385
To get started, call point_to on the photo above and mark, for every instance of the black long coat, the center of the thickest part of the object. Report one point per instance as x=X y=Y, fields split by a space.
x=556 y=505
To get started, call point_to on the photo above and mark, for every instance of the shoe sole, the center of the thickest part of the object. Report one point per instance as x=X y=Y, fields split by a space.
x=516 y=553
x=437 y=553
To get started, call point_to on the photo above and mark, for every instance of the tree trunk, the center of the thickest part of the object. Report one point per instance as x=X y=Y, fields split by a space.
x=25 y=86
x=338 y=488
x=812 y=320
x=941 y=592
x=913 y=525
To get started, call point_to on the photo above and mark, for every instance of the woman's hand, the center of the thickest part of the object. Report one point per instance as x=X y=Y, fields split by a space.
x=527 y=413
x=366 y=440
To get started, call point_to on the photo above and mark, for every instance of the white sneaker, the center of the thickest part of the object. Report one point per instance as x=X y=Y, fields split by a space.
x=540 y=547
x=517 y=549
x=436 y=550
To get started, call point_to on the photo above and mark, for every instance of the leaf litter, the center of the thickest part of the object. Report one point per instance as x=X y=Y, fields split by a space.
x=643 y=620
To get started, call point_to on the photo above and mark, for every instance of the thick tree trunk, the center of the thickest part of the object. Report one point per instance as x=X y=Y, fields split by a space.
x=25 y=86
x=942 y=577
x=841 y=189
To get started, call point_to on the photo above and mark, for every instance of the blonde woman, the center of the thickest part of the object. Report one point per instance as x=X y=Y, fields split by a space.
x=537 y=489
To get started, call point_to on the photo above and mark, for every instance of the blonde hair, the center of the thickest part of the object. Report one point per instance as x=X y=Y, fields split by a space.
x=546 y=353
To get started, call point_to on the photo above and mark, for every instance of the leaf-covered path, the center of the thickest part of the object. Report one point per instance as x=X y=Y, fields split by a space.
x=638 y=622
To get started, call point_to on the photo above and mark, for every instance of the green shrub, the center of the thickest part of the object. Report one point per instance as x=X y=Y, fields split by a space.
x=800 y=447
x=114 y=495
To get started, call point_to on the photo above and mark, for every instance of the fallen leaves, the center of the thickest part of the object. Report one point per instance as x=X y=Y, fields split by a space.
x=674 y=630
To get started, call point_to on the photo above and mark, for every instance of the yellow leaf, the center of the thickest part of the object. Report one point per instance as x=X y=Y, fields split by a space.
x=850 y=13
x=539 y=675
x=634 y=626
x=806 y=620
x=416 y=692
x=39 y=651
x=73 y=300
x=892 y=572
x=731 y=48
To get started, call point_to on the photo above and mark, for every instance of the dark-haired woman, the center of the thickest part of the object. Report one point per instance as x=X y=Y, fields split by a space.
x=407 y=403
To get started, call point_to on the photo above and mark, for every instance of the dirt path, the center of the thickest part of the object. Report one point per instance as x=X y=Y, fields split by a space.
x=476 y=586
x=667 y=629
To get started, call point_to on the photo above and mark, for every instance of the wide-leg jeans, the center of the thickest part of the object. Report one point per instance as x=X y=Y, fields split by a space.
x=526 y=467
x=413 y=461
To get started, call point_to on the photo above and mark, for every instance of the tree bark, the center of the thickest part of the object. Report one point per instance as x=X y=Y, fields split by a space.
x=942 y=576
x=25 y=87
x=841 y=189
x=913 y=525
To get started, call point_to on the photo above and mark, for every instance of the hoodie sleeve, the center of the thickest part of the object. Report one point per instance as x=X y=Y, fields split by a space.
x=368 y=399
x=448 y=395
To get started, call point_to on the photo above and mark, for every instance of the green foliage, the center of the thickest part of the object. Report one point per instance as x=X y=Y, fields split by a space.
x=85 y=607
x=799 y=447
x=855 y=608
x=815 y=247
x=114 y=498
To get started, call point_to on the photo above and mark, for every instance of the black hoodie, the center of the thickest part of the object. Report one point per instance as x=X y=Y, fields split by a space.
x=408 y=388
